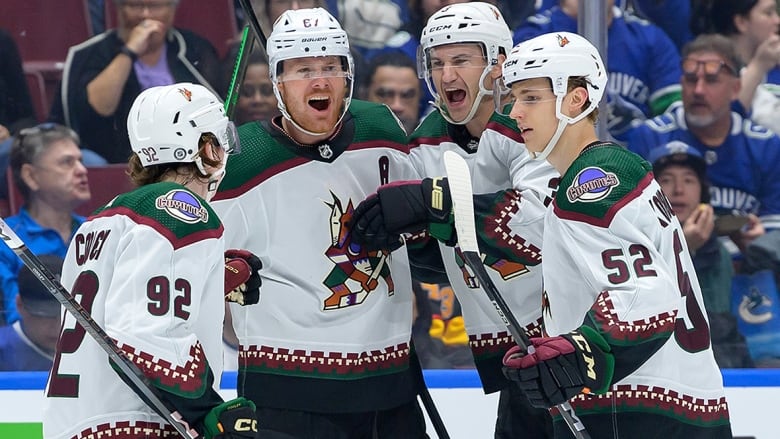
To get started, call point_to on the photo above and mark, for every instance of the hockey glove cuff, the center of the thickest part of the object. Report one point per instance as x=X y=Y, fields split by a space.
x=242 y=277
x=232 y=419
x=560 y=368
x=400 y=207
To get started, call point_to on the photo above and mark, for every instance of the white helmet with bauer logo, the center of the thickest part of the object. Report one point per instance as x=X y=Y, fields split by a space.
x=303 y=33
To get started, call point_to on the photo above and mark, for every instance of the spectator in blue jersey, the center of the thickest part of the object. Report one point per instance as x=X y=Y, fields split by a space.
x=753 y=26
x=743 y=159
x=681 y=172
x=47 y=170
x=673 y=16
x=28 y=343
x=642 y=62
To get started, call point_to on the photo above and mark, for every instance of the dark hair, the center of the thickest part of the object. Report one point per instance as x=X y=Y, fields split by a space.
x=30 y=143
x=388 y=59
x=716 y=43
x=717 y=16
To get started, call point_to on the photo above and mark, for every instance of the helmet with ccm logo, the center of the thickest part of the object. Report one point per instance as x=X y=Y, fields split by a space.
x=473 y=22
x=303 y=33
x=558 y=56
x=165 y=124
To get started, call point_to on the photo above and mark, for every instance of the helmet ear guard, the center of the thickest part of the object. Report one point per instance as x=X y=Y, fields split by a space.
x=165 y=124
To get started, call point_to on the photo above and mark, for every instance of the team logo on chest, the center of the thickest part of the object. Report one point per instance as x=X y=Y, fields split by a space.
x=183 y=206
x=358 y=271
x=591 y=184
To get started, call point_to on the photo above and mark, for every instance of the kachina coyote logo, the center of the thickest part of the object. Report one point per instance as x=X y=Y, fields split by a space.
x=357 y=271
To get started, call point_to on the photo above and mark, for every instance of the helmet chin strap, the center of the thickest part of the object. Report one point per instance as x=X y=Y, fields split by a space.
x=474 y=105
x=562 y=122
x=553 y=140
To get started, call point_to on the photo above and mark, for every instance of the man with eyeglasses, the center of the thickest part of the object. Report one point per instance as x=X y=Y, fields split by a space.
x=462 y=48
x=743 y=158
x=103 y=75
x=327 y=351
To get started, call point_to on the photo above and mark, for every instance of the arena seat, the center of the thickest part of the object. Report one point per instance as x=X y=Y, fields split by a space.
x=44 y=30
x=214 y=20
x=105 y=182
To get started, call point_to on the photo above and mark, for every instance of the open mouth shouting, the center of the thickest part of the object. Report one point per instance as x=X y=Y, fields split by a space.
x=319 y=103
x=455 y=97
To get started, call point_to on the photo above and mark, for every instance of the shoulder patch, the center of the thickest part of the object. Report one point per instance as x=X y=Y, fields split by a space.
x=182 y=205
x=599 y=182
x=591 y=184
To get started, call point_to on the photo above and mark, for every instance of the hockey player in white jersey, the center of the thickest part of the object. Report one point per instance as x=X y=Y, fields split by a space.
x=326 y=353
x=149 y=268
x=462 y=48
x=626 y=337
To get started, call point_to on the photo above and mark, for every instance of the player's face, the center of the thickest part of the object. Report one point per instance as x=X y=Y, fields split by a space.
x=533 y=108
x=682 y=186
x=58 y=177
x=399 y=89
x=256 y=100
x=709 y=85
x=760 y=23
x=313 y=90
x=456 y=70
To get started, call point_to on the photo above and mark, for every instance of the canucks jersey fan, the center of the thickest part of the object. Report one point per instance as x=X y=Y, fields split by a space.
x=326 y=353
x=642 y=61
x=742 y=157
x=149 y=268
x=626 y=336
x=462 y=47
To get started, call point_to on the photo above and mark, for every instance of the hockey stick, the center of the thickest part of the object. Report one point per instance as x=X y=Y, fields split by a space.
x=239 y=71
x=242 y=58
x=246 y=5
x=463 y=208
x=427 y=400
x=130 y=373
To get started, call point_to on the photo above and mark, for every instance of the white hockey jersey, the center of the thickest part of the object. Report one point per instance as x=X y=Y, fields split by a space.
x=498 y=161
x=149 y=269
x=332 y=330
x=616 y=260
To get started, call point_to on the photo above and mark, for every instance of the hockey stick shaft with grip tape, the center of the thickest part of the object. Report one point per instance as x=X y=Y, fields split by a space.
x=459 y=180
x=131 y=373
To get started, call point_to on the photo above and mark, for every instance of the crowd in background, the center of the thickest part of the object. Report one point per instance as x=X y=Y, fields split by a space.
x=725 y=157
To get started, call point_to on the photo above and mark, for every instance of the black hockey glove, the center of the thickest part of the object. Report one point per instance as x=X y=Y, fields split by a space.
x=242 y=277
x=234 y=419
x=400 y=207
x=560 y=368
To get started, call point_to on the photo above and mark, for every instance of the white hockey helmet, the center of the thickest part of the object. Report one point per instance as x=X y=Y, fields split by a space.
x=303 y=33
x=473 y=22
x=165 y=124
x=558 y=56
